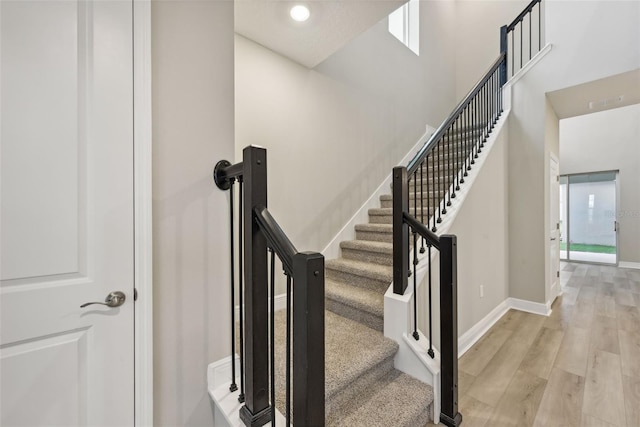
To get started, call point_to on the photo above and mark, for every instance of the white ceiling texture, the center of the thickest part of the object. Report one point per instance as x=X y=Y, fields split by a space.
x=331 y=25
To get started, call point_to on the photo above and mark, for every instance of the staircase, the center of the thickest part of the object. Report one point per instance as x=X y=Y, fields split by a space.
x=362 y=387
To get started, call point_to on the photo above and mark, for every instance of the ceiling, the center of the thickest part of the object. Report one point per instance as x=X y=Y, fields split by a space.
x=599 y=95
x=331 y=25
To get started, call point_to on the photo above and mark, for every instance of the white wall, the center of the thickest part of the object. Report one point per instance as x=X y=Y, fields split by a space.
x=192 y=129
x=602 y=40
x=604 y=141
x=335 y=132
x=477 y=36
x=482 y=229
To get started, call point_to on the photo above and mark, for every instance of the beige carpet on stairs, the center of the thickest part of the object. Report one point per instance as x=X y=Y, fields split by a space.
x=362 y=386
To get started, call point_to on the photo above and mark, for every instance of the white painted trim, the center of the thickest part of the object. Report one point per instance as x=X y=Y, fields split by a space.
x=280 y=303
x=469 y=338
x=143 y=226
x=530 y=306
x=627 y=264
x=529 y=65
x=227 y=407
x=332 y=250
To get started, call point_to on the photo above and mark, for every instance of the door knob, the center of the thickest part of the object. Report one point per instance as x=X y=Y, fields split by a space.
x=114 y=299
x=553 y=238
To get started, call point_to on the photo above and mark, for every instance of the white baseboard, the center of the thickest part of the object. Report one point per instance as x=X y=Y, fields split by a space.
x=227 y=406
x=469 y=338
x=529 y=306
x=626 y=264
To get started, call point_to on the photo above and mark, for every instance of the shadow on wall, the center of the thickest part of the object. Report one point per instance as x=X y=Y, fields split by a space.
x=187 y=272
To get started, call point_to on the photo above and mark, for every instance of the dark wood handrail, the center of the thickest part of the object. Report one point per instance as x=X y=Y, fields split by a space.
x=520 y=17
x=276 y=238
x=433 y=140
x=422 y=230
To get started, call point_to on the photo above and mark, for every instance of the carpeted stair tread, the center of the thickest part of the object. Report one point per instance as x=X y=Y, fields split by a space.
x=368 y=246
x=355 y=357
x=353 y=296
x=397 y=400
x=376 y=228
x=351 y=350
x=374 y=232
x=389 y=211
x=412 y=195
x=364 y=269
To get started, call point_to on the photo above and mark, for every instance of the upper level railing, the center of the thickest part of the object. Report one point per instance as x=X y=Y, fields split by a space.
x=522 y=39
x=257 y=345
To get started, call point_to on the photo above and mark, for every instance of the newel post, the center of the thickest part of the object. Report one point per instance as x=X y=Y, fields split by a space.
x=308 y=340
x=503 y=49
x=400 y=230
x=449 y=330
x=256 y=411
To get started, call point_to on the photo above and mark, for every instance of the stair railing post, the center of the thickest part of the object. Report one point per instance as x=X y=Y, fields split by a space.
x=504 y=45
x=400 y=230
x=308 y=340
x=449 y=330
x=256 y=411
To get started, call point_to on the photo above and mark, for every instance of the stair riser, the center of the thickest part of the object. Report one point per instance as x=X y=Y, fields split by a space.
x=357 y=391
x=389 y=203
x=388 y=219
x=372 y=236
x=366 y=256
x=367 y=319
x=356 y=280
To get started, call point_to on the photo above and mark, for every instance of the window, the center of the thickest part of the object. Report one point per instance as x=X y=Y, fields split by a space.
x=404 y=24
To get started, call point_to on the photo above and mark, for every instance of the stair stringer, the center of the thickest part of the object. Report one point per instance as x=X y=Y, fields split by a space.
x=412 y=357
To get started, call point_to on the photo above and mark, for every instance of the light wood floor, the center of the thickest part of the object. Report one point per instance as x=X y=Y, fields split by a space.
x=578 y=367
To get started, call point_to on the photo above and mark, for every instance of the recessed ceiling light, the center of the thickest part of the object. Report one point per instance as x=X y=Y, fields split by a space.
x=299 y=13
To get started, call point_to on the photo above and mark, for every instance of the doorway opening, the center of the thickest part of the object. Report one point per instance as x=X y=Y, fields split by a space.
x=588 y=226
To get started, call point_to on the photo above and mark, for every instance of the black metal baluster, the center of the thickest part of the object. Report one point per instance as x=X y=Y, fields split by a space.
x=422 y=166
x=415 y=194
x=430 y=351
x=272 y=338
x=241 y=397
x=439 y=145
x=434 y=189
x=416 y=336
x=429 y=190
x=499 y=97
x=539 y=26
x=521 y=28
x=448 y=165
x=444 y=175
x=530 y=13
x=409 y=178
x=513 y=52
x=454 y=173
x=233 y=387
x=288 y=355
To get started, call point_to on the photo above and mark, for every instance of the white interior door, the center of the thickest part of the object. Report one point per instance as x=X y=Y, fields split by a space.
x=66 y=213
x=554 y=229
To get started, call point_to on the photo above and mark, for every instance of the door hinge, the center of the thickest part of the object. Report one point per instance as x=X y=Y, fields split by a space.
x=135 y=294
x=558 y=226
x=558 y=178
x=557 y=274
